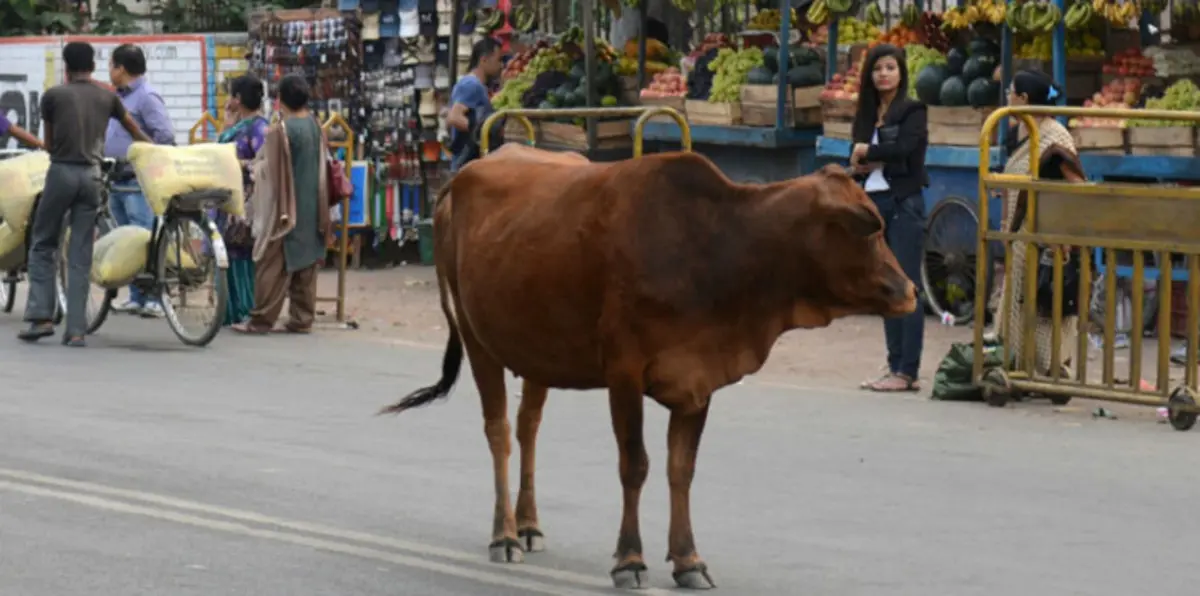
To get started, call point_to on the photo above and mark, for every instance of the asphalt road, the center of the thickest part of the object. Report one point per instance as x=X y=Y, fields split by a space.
x=257 y=467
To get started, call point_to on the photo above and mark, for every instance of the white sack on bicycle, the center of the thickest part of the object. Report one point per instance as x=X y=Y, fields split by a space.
x=120 y=255
x=22 y=179
x=12 y=248
x=164 y=171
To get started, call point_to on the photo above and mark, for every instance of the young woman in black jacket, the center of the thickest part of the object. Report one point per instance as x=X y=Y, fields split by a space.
x=890 y=137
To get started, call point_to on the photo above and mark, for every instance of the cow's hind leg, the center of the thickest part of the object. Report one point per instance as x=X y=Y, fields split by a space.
x=626 y=403
x=683 y=441
x=489 y=378
x=529 y=418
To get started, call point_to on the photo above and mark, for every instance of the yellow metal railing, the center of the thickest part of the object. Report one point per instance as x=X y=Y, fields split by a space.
x=643 y=114
x=1107 y=216
x=198 y=134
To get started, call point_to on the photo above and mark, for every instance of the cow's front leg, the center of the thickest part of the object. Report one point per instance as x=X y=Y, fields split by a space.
x=626 y=404
x=529 y=417
x=683 y=441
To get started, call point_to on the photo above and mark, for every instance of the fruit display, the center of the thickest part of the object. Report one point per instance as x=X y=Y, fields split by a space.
x=710 y=41
x=1173 y=62
x=1080 y=44
x=818 y=13
x=965 y=79
x=1033 y=17
x=910 y=16
x=851 y=31
x=730 y=69
x=1131 y=63
x=1119 y=93
x=929 y=30
x=1079 y=16
x=668 y=83
x=1183 y=95
x=917 y=58
x=552 y=76
x=545 y=59
x=658 y=58
x=900 y=36
x=770 y=20
x=805 y=68
x=974 y=12
x=841 y=8
x=843 y=87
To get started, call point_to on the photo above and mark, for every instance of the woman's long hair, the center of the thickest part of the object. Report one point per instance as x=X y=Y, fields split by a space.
x=867 y=110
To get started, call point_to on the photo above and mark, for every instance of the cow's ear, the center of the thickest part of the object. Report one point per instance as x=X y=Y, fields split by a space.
x=860 y=220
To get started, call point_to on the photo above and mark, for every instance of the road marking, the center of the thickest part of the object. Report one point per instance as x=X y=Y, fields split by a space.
x=413 y=548
x=317 y=543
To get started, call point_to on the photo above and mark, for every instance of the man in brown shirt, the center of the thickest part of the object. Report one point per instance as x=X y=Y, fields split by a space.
x=75 y=116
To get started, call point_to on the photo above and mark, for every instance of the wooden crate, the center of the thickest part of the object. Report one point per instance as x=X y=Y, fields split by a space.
x=837 y=129
x=514 y=131
x=714 y=114
x=759 y=101
x=609 y=134
x=1099 y=140
x=838 y=109
x=670 y=102
x=1176 y=141
x=957 y=126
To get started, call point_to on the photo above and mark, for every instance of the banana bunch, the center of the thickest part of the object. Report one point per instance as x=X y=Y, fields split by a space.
x=818 y=13
x=981 y=11
x=1154 y=8
x=839 y=7
x=874 y=14
x=910 y=16
x=993 y=11
x=1079 y=16
x=1035 y=18
x=1118 y=14
x=956 y=18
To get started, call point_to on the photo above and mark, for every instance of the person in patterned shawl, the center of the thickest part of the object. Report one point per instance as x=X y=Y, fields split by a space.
x=246 y=127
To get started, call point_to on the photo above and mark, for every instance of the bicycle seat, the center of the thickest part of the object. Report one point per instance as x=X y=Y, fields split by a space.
x=199 y=200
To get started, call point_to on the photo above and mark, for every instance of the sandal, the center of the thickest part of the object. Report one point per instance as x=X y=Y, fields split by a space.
x=868 y=384
x=248 y=329
x=895 y=383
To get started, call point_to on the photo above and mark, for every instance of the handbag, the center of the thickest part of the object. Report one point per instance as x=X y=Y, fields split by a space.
x=338 y=183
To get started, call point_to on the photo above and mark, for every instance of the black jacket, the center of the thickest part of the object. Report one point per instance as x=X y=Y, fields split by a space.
x=903 y=139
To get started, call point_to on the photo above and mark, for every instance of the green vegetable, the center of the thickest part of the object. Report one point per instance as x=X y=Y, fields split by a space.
x=954 y=92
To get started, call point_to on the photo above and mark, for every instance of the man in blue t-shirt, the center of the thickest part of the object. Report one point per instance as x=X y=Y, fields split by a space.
x=469 y=103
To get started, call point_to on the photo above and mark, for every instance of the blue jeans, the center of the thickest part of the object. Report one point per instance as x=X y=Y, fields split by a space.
x=129 y=207
x=904 y=230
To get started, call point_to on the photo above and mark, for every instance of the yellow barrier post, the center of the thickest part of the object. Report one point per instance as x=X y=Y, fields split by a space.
x=347 y=143
x=198 y=133
x=643 y=114
x=1111 y=217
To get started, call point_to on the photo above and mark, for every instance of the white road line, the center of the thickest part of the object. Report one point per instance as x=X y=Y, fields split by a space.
x=316 y=543
x=317 y=529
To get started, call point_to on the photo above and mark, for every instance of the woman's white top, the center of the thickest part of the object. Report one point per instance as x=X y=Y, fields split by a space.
x=875 y=180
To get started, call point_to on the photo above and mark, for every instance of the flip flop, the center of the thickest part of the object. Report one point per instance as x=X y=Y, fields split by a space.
x=247 y=329
x=895 y=383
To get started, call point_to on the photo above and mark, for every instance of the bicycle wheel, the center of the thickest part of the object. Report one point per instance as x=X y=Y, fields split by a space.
x=192 y=267
x=99 y=301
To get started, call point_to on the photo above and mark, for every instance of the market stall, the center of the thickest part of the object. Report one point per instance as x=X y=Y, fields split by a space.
x=751 y=96
x=961 y=56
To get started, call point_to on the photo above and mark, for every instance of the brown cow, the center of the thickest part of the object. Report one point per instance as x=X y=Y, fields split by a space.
x=653 y=277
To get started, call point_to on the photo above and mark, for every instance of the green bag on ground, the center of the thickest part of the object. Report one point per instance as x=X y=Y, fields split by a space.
x=952 y=381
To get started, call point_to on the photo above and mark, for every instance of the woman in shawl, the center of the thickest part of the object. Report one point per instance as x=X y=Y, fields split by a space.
x=290 y=222
x=1058 y=160
x=246 y=128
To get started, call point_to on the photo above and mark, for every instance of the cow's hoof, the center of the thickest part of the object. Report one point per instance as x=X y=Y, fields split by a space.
x=532 y=540
x=507 y=550
x=631 y=576
x=696 y=578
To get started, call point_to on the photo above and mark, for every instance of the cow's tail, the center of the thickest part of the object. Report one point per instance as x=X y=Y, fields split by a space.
x=451 y=360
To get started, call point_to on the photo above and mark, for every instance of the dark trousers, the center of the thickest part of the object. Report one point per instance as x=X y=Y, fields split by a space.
x=904 y=228
x=73 y=189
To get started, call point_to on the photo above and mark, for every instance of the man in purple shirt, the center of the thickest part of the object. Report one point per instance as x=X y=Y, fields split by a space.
x=8 y=129
x=127 y=70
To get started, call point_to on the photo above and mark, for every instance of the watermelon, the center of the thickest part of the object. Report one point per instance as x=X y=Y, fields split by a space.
x=805 y=76
x=981 y=46
x=771 y=58
x=929 y=83
x=955 y=59
x=983 y=92
x=759 y=75
x=977 y=66
x=803 y=56
x=954 y=92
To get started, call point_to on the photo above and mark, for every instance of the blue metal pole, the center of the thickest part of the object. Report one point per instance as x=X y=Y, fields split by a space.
x=1060 y=58
x=783 y=87
x=831 y=50
x=1006 y=70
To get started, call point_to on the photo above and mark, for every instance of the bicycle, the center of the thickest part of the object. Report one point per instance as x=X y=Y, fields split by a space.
x=177 y=262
